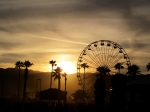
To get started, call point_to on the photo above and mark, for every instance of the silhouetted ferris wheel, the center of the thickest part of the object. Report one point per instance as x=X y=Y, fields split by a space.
x=104 y=54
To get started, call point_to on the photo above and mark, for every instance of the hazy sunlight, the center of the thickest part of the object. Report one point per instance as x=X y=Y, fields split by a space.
x=67 y=67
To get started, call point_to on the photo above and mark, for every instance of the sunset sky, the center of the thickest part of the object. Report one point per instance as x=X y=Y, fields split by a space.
x=44 y=30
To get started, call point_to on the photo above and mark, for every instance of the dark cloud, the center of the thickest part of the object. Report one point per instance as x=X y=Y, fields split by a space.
x=80 y=8
x=136 y=45
x=140 y=45
x=4 y=29
x=139 y=23
x=8 y=45
x=28 y=26
x=12 y=57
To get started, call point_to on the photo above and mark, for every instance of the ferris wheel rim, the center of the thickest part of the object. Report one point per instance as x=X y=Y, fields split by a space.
x=94 y=43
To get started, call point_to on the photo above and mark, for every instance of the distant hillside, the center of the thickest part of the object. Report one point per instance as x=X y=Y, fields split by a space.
x=9 y=77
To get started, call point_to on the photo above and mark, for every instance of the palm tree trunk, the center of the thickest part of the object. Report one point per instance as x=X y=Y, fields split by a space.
x=65 y=91
x=59 y=87
x=133 y=76
x=84 y=81
x=25 y=84
x=51 y=78
x=119 y=70
x=51 y=81
x=65 y=82
x=19 y=85
x=59 y=83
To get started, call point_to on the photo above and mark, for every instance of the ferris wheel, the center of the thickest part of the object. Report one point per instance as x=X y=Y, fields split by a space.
x=103 y=53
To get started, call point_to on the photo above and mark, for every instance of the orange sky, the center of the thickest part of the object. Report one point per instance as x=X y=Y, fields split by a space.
x=41 y=30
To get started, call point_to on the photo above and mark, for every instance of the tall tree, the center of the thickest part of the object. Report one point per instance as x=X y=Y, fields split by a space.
x=53 y=63
x=103 y=70
x=65 y=75
x=27 y=64
x=84 y=66
x=148 y=66
x=18 y=65
x=57 y=75
x=119 y=66
x=100 y=85
x=134 y=70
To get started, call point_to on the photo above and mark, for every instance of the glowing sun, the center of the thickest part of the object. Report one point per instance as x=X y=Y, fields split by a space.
x=67 y=67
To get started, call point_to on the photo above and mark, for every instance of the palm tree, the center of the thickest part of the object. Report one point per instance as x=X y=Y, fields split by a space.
x=57 y=75
x=148 y=66
x=134 y=70
x=26 y=65
x=64 y=75
x=103 y=70
x=101 y=86
x=18 y=65
x=84 y=66
x=119 y=66
x=52 y=62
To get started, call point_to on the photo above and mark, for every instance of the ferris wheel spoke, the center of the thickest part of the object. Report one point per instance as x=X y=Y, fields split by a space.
x=91 y=61
x=96 y=61
x=100 y=55
x=108 y=55
x=93 y=75
x=91 y=87
x=92 y=79
x=113 y=57
x=92 y=57
x=117 y=60
x=88 y=77
x=105 y=55
x=96 y=55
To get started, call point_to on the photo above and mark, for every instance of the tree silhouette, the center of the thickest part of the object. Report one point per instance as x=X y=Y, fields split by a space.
x=103 y=70
x=18 y=65
x=100 y=85
x=100 y=92
x=53 y=63
x=57 y=75
x=119 y=66
x=133 y=70
x=118 y=97
x=84 y=66
x=148 y=66
x=26 y=65
x=64 y=75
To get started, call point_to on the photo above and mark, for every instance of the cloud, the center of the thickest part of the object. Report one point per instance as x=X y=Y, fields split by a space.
x=135 y=45
x=72 y=21
x=81 y=8
x=9 y=45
